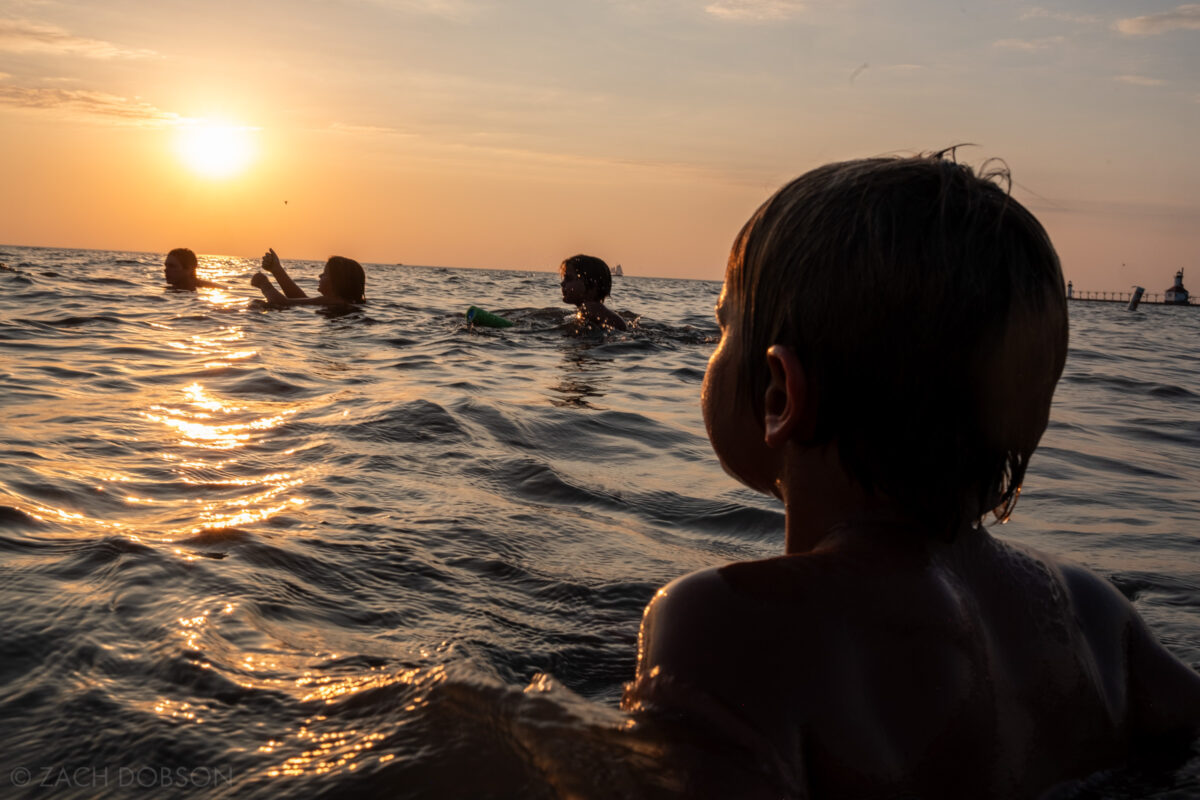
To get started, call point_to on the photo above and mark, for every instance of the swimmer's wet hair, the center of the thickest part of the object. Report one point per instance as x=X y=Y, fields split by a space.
x=595 y=273
x=348 y=279
x=185 y=256
x=927 y=308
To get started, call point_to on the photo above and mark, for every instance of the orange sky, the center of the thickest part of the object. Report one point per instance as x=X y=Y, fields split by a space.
x=450 y=132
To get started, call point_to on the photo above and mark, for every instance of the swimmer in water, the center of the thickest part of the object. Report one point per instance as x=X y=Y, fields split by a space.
x=342 y=283
x=586 y=281
x=892 y=331
x=179 y=270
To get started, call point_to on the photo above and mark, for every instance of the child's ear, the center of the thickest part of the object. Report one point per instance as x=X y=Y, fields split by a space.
x=789 y=407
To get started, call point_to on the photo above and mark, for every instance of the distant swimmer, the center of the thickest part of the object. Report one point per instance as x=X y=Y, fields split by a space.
x=586 y=281
x=179 y=269
x=342 y=283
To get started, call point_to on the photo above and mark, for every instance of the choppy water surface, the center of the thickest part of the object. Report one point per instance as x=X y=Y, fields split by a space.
x=253 y=553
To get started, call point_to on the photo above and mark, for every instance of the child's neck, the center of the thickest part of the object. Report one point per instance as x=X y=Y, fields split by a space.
x=822 y=501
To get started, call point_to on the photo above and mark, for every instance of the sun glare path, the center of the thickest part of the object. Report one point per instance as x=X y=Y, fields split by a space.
x=216 y=151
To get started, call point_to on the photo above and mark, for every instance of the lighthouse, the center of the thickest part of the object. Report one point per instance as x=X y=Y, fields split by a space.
x=1176 y=294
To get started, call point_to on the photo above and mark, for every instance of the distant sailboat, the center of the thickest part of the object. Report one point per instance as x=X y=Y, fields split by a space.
x=617 y=272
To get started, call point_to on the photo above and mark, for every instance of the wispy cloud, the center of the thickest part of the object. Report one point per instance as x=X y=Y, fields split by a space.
x=1139 y=80
x=342 y=127
x=78 y=102
x=1185 y=17
x=1029 y=45
x=1042 y=13
x=754 y=10
x=24 y=36
x=455 y=10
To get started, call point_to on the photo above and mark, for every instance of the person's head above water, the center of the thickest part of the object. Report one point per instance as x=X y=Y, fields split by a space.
x=585 y=278
x=926 y=308
x=179 y=268
x=343 y=277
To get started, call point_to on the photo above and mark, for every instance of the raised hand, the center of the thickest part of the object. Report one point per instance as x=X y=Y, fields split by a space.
x=270 y=262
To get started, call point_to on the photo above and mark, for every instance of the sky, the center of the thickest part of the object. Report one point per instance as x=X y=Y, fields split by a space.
x=512 y=135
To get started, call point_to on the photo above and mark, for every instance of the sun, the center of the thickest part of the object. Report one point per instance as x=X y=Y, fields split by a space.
x=216 y=150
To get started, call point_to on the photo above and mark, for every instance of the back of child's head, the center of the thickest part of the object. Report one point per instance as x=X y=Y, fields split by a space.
x=347 y=278
x=185 y=257
x=595 y=273
x=926 y=306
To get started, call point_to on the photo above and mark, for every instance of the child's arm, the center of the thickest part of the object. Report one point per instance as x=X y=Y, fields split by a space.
x=700 y=673
x=272 y=294
x=275 y=297
x=271 y=264
x=1164 y=693
x=1160 y=694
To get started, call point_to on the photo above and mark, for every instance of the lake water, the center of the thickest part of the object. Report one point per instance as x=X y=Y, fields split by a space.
x=259 y=553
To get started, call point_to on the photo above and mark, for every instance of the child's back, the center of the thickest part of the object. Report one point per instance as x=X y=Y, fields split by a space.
x=873 y=668
x=892 y=331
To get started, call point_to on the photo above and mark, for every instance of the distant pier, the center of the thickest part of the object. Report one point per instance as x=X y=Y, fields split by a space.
x=1151 y=298
x=1175 y=295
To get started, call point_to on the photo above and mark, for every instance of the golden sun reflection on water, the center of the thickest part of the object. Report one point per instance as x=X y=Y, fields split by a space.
x=45 y=513
x=209 y=435
x=214 y=344
x=328 y=750
x=204 y=422
x=214 y=516
x=221 y=298
x=178 y=710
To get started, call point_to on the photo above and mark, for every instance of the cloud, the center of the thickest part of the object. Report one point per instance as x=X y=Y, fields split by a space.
x=1139 y=80
x=754 y=10
x=24 y=36
x=1029 y=45
x=1185 y=17
x=453 y=10
x=87 y=103
x=342 y=127
x=1042 y=13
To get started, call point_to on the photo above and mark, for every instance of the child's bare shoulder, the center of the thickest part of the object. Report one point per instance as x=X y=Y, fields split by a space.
x=793 y=601
x=596 y=311
x=980 y=639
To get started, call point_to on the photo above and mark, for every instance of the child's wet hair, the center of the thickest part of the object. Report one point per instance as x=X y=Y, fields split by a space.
x=927 y=308
x=186 y=257
x=595 y=273
x=347 y=278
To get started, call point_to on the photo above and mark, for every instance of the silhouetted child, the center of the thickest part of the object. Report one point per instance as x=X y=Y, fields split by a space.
x=179 y=269
x=892 y=332
x=342 y=283
x=586 y=281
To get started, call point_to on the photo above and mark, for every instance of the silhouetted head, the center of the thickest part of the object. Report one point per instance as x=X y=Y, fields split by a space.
x=179 y=268
x=927 y=308
x=594 y=274
x=343 y=277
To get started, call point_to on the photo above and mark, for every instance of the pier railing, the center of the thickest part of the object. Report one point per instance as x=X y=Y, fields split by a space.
x=1121 y=297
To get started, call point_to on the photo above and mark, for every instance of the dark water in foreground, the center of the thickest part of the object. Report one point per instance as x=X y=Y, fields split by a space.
x=262 y=553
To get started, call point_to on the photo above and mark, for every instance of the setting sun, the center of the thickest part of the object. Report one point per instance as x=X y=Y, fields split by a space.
x=216 y=151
